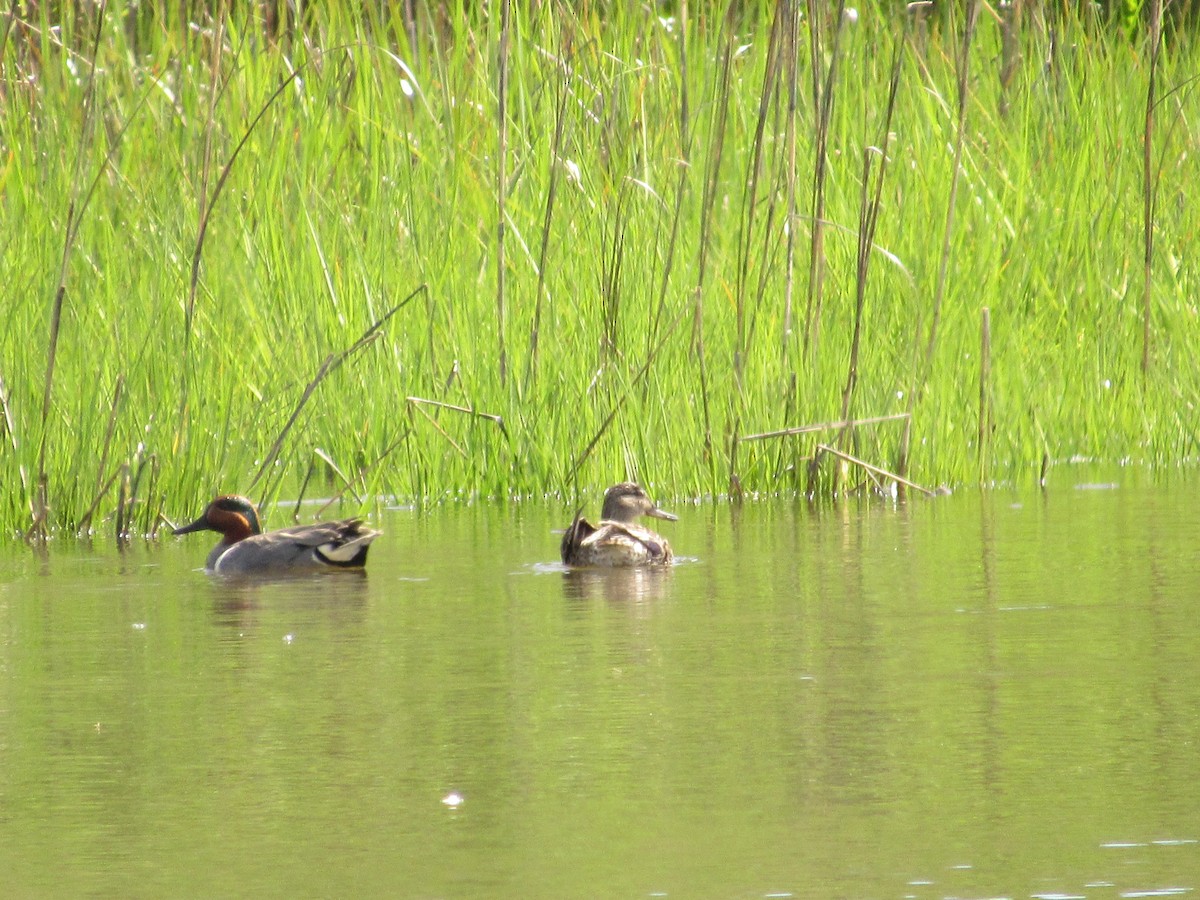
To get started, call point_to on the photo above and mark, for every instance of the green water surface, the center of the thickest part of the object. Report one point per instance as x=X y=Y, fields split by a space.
x=991 y=695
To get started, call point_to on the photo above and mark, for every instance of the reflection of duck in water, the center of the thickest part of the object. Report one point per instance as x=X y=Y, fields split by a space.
x=618 y=540
x=244 y=548
x=633 y=585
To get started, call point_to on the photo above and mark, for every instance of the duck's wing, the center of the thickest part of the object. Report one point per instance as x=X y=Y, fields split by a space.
x=614 y=544
x=643 y=545
x=341 y=544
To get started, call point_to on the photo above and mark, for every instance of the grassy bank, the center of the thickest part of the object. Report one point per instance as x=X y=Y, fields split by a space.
x=705 y=238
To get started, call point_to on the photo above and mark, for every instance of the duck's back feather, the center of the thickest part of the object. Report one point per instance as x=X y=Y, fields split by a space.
x=613 y=544
x=341 y=544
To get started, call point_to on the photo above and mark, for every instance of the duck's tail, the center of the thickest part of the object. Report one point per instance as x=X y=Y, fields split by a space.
x=349 y=549
x=577 y=532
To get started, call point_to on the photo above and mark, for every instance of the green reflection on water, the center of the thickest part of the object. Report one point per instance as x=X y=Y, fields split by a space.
x=986 y=695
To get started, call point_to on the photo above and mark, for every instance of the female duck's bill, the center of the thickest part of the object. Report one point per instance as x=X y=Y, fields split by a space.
x=244 y=548
x=617 y=540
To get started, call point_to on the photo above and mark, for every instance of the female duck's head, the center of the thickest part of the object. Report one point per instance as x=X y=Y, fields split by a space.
x=626 y=501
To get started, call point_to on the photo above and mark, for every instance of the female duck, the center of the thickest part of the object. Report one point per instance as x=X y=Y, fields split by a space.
x=617 y=540
x=244 y=548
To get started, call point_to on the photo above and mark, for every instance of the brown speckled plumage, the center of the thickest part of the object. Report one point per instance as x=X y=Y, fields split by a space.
x=617 y=540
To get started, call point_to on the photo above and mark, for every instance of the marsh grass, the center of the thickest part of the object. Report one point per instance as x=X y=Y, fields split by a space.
x=637 y=247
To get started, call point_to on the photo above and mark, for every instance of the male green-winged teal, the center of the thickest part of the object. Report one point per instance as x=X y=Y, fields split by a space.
x=617 y=540
x=244 y=548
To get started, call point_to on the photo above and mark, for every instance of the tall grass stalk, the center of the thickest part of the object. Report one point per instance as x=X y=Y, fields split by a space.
x=984 y=439
x=939 y=297
x=712 y=186
x=6 y=418
x=868 y=220
x=746 y=235
x=106 y=449
x=792 y=55
x=823 y=94
x=620 y=402
x=682 y=180
x=1148 y=181
x=556 y=164
x=1010 y=23
x=204 y=203
x=75 y=211
x=328 y=366
x=502 y=62
x=926 y=366
x=207 y=203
